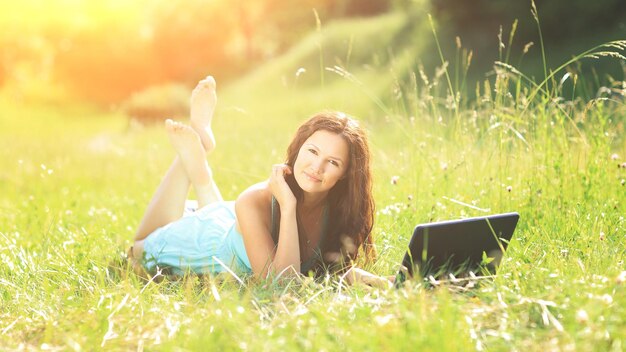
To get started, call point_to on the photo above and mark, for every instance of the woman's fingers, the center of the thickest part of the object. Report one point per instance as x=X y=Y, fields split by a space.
x=357 y=275
x=283 y=169
x=278 y=185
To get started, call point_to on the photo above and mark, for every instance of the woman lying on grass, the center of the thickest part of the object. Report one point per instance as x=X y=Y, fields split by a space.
x=315 y=212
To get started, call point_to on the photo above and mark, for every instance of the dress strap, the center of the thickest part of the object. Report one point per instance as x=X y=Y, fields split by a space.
x=275 y=221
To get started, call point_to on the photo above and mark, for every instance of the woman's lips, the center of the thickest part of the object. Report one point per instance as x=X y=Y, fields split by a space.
x=312 y=178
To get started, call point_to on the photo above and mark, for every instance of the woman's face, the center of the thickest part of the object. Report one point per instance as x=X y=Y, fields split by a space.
x=321 y=162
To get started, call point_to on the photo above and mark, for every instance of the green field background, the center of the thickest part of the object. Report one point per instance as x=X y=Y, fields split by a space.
x=75 y=178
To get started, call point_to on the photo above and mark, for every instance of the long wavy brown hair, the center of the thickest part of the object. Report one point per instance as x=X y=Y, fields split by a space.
x=350 y=201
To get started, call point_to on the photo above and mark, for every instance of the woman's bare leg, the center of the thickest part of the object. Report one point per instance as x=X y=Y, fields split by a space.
x=168 y=202
x=202 y=106
x=189 y=167
x=203 y=101
x=192 y=155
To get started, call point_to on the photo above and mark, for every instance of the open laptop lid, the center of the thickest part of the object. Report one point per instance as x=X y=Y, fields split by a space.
x=457 y=246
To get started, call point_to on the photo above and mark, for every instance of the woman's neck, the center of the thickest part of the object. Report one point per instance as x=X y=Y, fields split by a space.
x=311 y=202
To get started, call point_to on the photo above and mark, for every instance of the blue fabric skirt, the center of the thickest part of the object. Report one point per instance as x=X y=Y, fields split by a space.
x=202 y=242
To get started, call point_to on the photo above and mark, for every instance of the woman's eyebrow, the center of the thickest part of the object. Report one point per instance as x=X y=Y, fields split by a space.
x=312 y=145
x=331 y=157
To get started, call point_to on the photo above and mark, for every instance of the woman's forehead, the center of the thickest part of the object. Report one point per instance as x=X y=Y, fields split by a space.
x=330 y=143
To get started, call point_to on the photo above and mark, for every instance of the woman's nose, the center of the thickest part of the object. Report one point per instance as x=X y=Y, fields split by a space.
x=317 y=165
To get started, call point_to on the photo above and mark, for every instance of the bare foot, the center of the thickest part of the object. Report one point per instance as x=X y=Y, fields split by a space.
x=187 y=144
x=203 y=100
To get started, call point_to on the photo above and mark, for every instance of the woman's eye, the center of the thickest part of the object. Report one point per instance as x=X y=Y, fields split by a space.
x=334 y=163
x=313 y=151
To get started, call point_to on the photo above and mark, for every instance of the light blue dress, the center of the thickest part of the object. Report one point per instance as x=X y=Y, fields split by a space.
x=204 y=241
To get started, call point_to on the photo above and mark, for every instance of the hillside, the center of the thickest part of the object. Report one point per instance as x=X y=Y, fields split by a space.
x=344 y=65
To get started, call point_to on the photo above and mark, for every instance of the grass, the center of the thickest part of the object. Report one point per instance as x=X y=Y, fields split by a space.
x=74 y=182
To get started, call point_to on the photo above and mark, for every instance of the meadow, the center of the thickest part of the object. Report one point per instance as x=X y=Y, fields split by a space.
x=75 y=180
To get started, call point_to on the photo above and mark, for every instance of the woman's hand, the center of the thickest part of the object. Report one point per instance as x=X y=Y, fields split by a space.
x=279 y=187
x=355 y=275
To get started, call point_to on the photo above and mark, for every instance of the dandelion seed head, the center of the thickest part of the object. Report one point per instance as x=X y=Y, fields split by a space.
x=621 y=278
x=394 y=180
x=606 y=298
x=383 y=320
x=602 y=236
x=509 y=188
x=614 y=157
x=582 y=316
x=300 y=71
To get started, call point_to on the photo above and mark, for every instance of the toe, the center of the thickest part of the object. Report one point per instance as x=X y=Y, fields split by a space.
x=210 y=81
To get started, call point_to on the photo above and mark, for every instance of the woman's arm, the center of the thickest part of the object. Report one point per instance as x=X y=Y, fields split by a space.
x=253 y=224
x=288 y=247
x=252 y=208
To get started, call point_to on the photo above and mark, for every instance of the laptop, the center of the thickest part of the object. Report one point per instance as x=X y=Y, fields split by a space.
x=457 y=247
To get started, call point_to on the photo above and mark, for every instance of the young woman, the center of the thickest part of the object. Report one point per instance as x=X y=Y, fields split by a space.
x=314 y=212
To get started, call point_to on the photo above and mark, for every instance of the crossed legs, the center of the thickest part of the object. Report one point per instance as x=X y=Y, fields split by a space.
x=189 y=168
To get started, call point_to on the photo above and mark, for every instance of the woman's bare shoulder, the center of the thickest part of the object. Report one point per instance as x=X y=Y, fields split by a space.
x=258 y=194
x=253 y=207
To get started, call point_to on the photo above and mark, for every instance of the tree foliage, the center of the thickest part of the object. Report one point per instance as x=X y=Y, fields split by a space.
x=106 y=50
x=559 y=20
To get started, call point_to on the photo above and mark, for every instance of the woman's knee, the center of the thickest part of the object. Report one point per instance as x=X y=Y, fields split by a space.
x=136 y=251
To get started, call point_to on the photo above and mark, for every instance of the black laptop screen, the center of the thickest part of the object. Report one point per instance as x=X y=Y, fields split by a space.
x=460 y=245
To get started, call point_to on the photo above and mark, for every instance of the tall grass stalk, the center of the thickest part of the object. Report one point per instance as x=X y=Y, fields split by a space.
x=535 y=15
x=452 y=92
x=318 y=28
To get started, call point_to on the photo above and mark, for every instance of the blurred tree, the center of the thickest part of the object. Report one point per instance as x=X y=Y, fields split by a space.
x=478 y=21
x=100 y=66
x=105 y=50
x=567 y=28
x=189 y=38
x=355 y=8
x=559 y=20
